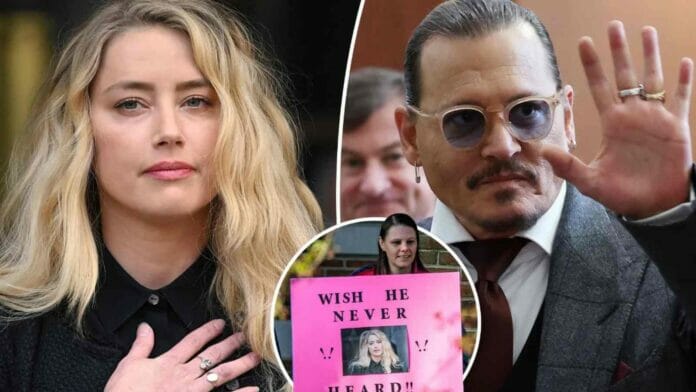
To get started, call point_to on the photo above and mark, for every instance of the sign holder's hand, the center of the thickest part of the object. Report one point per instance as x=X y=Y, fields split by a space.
x=644 y=160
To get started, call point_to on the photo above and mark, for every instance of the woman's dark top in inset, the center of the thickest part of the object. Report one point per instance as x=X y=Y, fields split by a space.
x=371 y=269
x=373 y=368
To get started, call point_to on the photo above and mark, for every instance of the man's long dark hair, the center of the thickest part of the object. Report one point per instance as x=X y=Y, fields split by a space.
x=391 y=221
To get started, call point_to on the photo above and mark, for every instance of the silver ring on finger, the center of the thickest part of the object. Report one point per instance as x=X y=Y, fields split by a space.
x=212 y=377
x=205 y=363
x=630 y=92
x=658 y=96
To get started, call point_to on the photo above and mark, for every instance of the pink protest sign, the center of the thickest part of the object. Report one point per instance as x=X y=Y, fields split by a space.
x=384 y=333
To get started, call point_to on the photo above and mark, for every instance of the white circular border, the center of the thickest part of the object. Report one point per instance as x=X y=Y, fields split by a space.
x=351 y=222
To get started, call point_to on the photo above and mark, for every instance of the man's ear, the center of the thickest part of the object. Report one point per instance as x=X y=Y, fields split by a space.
x=405 y=122
x=568 y=123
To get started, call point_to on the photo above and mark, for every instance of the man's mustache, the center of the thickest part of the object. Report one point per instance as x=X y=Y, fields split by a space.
x=498 y=167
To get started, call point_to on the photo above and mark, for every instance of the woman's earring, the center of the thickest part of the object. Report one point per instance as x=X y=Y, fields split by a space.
x=418 y=177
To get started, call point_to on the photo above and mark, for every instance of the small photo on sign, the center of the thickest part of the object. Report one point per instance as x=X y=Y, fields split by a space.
x=375 y=350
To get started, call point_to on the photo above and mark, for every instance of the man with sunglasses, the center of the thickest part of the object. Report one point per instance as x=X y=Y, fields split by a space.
x=569 y=300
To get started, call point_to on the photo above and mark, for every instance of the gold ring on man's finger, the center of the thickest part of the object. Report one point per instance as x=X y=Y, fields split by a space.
x=658 y=96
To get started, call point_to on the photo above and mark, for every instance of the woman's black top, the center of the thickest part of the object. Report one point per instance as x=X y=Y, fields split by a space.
x=373 y=368
x=46 y=353
x=172 y=311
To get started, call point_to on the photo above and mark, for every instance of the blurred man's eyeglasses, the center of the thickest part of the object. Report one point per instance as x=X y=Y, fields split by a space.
x=528 y=118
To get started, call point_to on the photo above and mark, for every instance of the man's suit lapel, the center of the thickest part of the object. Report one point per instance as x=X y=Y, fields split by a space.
x=592 y=286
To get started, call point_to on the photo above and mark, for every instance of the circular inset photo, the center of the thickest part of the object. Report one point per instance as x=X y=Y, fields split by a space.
x=377 y=305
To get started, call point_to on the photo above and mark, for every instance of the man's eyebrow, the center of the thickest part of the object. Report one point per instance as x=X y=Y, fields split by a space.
x=391 y=146
x=149 y=87
x=349 y=151
x=476 y=102
x=388 y=147
x=523 y=94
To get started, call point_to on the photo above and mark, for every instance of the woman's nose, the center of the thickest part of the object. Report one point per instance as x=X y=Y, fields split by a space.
x=167 y=128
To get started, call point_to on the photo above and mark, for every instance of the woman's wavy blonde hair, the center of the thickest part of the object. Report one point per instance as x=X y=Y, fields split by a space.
x=389 y=357
x=263 y=211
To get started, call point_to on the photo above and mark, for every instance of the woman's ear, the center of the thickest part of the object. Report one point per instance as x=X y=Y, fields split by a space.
x=381 y=244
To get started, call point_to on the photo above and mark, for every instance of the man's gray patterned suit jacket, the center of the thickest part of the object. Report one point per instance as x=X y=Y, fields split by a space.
x=611 y=322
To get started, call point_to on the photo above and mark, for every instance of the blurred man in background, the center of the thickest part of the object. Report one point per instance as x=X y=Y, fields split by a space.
x=376 y=179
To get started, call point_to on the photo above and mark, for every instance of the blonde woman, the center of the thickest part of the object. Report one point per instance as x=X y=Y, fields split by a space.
x=375 y=355
x=150 y=210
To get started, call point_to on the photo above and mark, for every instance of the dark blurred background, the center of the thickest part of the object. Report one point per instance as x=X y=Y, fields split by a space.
x=309 y=39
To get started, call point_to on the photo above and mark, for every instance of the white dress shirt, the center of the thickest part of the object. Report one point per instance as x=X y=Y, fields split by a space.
x=524 y=282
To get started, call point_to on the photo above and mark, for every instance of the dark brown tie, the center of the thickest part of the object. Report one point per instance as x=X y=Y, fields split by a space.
x=493 y=361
